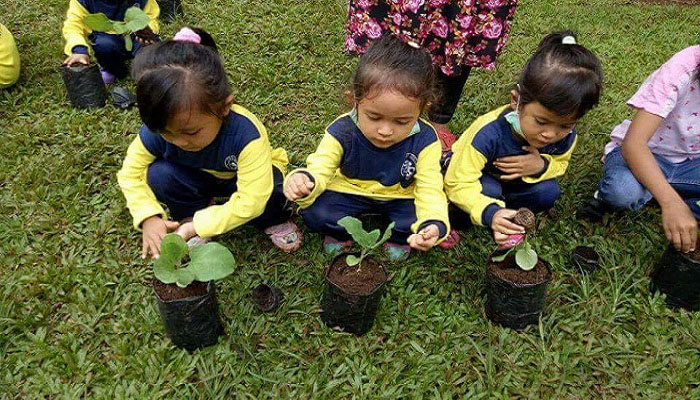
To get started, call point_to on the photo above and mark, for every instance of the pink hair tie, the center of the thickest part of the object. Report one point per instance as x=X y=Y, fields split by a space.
x=187 y=35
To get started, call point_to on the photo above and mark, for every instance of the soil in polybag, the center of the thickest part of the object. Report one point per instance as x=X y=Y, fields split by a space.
x=85 y=86
x=190 y=315
x=516 y=298
x=677 y=275
x=351 y=296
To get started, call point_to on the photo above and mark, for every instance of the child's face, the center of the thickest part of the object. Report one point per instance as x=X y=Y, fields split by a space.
x=540 y=125
x=387 y=118
x=193 y=130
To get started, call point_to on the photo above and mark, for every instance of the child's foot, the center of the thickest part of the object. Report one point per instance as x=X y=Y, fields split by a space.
x=447 y=138
x=107 y=77
x=196 y=241
x=592 y=210
x=287 y=236
x=397 y=252
x=451 y=241
x=332 y=246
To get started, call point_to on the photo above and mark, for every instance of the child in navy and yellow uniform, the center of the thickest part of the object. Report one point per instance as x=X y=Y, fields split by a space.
x=9 y=59
x=197 y=145
x=109 y=49
x=511 y=156
x=379 y=158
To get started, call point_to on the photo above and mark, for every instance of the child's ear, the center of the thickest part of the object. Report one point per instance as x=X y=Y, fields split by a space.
x=227 y=105
x=514 y=94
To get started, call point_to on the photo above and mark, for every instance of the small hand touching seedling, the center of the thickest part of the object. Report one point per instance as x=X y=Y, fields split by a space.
x=525 y=255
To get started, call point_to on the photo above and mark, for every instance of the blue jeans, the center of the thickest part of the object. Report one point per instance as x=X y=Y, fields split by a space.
x=111 y=52
x=621 y=190
x=187 y=190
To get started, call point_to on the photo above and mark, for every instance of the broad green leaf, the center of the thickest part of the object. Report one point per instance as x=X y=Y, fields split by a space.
x=387 y=235
x=354 y=228
x=172 y=249
x=127 y=43
x=352 y=260
x=119 y=27
x=164 y=272
x=183 y=277
x=135 y=19
x=98 y=22
x=525 y=257
x=502 y=257
x=211 y=261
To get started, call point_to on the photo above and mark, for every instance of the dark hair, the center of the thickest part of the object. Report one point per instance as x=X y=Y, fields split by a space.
x=173 y=76
x=392 y=64
x=565 y=78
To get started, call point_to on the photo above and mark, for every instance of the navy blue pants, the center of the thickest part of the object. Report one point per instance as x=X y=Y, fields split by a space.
x=323 y=215
x=111 y=52
x=187 y=190
x=535 y=196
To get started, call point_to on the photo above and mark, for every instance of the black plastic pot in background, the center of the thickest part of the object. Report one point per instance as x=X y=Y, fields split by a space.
x=678 y=277
x=169 y=9
x=85 y=86
x=192 y=323
x=585 y=259
x=515 y=305
x=351 y=313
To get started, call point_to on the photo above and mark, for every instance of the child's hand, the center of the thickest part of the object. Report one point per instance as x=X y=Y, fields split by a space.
x=154 y=228
x=680 y=226
x=298 y=186
x=425 y=239
x=77 y=59
x=521 y=166
x=186 y=231
x=502 y=224
x=145 y=36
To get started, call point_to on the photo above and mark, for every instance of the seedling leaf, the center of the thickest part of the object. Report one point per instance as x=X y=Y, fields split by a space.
x=135 y=19
x=210 y=262
x=526 y=257
x=128 y=44
x=98 y=22
x=502 y=257
x=387 y=235
x=184 y=277
x=352 y=260
x=354 y=228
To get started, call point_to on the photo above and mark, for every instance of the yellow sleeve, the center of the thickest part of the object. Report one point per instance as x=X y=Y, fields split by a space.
x=9 y=58
x=431 y=202
x=140 y=200
x=74 y=29
x=557 y=165
x=153 y=11
x=321 y=165
x=255 y=184
x=462 y=181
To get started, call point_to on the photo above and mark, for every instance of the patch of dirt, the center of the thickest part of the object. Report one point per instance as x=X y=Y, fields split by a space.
x=357 y=281
x=509 y=271
x=170 y=292
x=525 y=218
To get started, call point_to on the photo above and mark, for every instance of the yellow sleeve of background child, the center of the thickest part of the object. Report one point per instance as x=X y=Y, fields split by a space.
x=557 y=165
x=153 y=11
x=321 y=165
x=431 y=202
x=9 y=58
x=140 y=200
x=74 y=29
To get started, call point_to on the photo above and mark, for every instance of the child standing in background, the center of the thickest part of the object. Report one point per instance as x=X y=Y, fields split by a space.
x=379 y=157
x=657 y=154
x=109 y=49
x=511 y=157
x=196 y=145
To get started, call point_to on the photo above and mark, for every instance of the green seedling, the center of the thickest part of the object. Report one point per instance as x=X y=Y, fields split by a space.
x=207 y=262
x=368 y=241
x=135 y=19
x=525 y=255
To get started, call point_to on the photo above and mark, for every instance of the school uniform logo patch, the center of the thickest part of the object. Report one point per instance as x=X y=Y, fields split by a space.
x=231 y=163
x=408 y=170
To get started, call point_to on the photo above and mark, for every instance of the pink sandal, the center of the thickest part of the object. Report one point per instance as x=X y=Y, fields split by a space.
x=287 y=236
x=451 y=240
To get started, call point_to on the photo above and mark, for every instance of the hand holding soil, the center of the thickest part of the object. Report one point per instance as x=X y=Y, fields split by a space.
x=503 y=225
x=154 y=228
x=298 y=186
x=425 y=239
x=77 y=59
x=520 y=166
x=680 y=226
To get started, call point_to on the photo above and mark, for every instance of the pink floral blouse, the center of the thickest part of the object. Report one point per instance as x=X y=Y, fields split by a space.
x=456 y=32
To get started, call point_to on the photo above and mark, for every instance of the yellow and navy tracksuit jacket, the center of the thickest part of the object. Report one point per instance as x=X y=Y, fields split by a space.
x=75 y=32
x=9 y=58
x=346 y=162
x=490 y=137
x=240 y=151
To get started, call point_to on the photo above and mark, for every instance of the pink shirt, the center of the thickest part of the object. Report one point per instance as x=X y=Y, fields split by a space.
x=673 y=93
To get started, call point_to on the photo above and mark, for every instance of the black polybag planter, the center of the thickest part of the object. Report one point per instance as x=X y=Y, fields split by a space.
x=515 y=305
x=169 y=9
x=678 y=277
x=585 y=259
x=193 y=322
x=85 y=86
x=351 y=313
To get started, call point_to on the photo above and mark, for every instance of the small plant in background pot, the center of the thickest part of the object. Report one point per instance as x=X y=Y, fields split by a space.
x=355 y=283
x=186 y=292
x=135 y=22
x=517 y=279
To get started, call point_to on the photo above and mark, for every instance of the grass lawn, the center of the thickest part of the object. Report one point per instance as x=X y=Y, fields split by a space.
x=78 y=320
